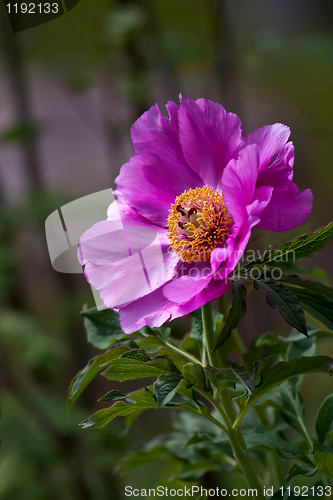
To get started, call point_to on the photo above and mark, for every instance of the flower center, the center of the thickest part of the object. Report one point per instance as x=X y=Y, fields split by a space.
x=198 y=222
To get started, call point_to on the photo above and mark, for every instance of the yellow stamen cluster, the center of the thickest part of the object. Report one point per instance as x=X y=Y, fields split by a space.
x=198 y=223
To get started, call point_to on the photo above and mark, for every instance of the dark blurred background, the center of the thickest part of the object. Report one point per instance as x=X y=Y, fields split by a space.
x=69 y=92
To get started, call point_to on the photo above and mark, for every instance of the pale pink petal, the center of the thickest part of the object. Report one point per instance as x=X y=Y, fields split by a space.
x=185 y=288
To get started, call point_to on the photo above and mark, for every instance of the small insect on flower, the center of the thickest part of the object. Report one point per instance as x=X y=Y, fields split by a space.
x=185 y=206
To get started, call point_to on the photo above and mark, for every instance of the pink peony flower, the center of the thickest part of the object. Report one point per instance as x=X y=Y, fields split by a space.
x=185 y=206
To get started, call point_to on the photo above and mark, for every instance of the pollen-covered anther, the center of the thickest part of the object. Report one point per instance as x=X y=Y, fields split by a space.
x=198 y=223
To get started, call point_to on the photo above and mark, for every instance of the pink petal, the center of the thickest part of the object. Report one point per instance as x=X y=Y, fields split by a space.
x=271 y=139
x=219 y=255
x=210 y=138
x=151 y=184
x=103 y=243
x=153 y=308
x=280 y=171
x=119 y=282
x=238 y=184
x=287 y=209
x=185 y=288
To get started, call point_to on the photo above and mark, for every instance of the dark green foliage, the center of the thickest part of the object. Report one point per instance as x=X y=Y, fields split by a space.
x=292 y=251
x=323 y=458
x=129 y=369
x=95 y=365
x=137 y=401
x=102 y=327
x=165 y=387
x=294 y=472
x=263 y=439
x=285 y=301
x=270 y=379
x=274 y=376
x=237 y=312
x=324 y=422
x=221 y=378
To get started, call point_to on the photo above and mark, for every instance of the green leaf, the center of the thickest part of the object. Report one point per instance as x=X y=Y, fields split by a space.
x=95 y=365
x=195 y=374
x=102 y=326
x=263 y=439
x=138 y=458
x=295 y=281
x=142 y=400
x=324 y=422
x=265 y=346
x=292 y=407
x=274 y=376
x=162 y=332
x=294 y=472
x=312 y=272
x=193 y=472
x=259 y=366
x=300 y=470
x=323 y=458
x=165 y=387
x=281 y=298
x=138 y=354
x=113 y=396
x=243 y=376
x=316 y=298
x=317 y=305
x=190 y=345
x=201 y=438
x=189 y=402
x=196 y=327
x=221 y=378
x=315 y=334
x=301 y=247
x=150 y=343
x=305 y=347
x=129 y=369
x=237 y=312
x=178 y=359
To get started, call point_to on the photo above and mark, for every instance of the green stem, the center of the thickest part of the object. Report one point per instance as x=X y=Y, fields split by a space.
x=227 y=410
x=212 y=419
x=306 y=434
x=176 y=349
x=203 y=354
x=208 y=334
x=183 y=353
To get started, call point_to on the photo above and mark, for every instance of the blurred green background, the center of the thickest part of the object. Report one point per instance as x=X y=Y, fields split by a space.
x=69 y=92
